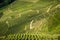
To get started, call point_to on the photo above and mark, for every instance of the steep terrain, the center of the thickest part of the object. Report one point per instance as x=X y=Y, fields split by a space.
x=27 y=17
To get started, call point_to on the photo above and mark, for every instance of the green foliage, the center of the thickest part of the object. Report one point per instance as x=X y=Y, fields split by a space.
x=20 y=15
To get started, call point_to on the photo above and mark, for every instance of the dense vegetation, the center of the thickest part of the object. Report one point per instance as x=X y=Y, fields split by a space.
x=29 y=19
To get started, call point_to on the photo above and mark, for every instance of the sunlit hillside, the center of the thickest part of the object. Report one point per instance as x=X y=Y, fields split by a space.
x=29 y=20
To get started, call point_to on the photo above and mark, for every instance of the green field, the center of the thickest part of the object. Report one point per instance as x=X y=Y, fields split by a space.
x=30 y=20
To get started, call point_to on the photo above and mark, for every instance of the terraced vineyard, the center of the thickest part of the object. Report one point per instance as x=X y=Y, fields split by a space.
x=30 y=20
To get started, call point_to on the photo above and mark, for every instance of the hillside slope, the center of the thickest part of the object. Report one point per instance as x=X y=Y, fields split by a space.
x=31 y=17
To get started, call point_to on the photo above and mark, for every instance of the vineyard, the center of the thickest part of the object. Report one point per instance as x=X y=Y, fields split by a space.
x=29 y=20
